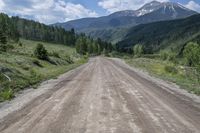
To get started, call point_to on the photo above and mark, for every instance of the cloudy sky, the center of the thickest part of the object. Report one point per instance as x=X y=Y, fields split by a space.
x=51 y=11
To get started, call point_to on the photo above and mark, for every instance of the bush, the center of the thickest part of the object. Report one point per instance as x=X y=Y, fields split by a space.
x=55 y=54
x=167 y=55
x=34 y=77
x=40 y=52
x=191 y=54
x=20 y=44
x=151 y=56
x=163 y=55
x=138 y=50
x=171 y=69
x=37 y=63
x=3 y=42
x=69 y=59
x=172 y=57
x=6 y=94
x=3 y=47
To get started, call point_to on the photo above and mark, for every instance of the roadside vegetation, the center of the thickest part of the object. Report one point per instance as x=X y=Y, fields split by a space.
x=25 y=63
x=52 y=51
x=29 y=63
x=182 y=69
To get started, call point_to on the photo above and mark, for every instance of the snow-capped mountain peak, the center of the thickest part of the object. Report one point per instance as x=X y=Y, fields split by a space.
x=148 y=8
x=168 y=8
x=124 y=13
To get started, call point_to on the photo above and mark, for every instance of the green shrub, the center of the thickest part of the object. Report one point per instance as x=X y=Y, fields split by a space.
x=138 y=50
x=40 y=52
x=167 y=55
x=55 y=54
x=25 y=67
x=171 y=69
x=114 y=54
x=37 y=63
x=163 y=55
x=3 y=47
x=191 y=54
x=6 y=94
x=69 y=59
x=34 y=77
x=151 y=56
x=172 y=57
x=20 y=44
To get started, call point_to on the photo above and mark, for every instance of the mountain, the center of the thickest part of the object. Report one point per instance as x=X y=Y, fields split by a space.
x=173 y=35
x=151 y=12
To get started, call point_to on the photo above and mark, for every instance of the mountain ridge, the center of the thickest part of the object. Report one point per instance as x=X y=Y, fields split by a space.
x=171 y=34
x=150 y=12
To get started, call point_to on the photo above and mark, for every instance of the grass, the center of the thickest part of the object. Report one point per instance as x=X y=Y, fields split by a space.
x=25 y=70
x=184 y=76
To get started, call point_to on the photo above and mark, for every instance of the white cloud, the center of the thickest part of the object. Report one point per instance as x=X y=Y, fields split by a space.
x=46 y=11
x=193 y=6
x=1 y=5
x=118 y=5
x=73 y=11
x=45 y=4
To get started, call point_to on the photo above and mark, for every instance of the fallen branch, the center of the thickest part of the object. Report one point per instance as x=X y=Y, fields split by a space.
x=9 y=79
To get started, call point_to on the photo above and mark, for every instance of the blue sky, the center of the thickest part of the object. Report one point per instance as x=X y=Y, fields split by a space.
x=52 y=11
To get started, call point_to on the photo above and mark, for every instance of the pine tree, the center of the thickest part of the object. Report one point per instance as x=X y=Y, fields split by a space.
x=40 y=52
x=83 y=46
x=99 y=49
x=95 y=47
x=3 y=38
x=90 y=48
x=78 y=45
x=3 y=42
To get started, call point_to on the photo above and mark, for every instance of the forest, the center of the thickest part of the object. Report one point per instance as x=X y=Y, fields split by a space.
x=14 y=28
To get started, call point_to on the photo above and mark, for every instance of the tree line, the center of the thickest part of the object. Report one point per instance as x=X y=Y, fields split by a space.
x=13 y=28
x=86 y=45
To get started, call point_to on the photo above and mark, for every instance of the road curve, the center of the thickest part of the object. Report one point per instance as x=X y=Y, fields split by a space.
x=105 y=96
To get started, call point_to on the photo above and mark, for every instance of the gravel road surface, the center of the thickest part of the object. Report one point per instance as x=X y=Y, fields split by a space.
x=102 y=96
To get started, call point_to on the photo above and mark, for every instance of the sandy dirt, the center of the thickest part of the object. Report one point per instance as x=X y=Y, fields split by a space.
x=103 y=96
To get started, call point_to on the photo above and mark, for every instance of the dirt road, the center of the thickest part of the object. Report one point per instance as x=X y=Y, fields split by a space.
x=106 y=96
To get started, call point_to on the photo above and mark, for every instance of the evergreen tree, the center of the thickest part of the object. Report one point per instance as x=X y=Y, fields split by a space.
x=99 y=49
x=3 y=38
x=90 y=48
x=40 y=52
x=95 y=47
x=78 y=45
x=83 y=46
x=3 y=42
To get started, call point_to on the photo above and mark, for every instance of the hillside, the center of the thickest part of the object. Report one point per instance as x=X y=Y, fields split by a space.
x=163 y=35
x=52 y=51
x=150 y=12
x=19 y=68
x=16 y=27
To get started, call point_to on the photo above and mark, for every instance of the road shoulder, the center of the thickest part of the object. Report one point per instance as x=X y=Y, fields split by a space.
x=28 y=95
x=166 y=85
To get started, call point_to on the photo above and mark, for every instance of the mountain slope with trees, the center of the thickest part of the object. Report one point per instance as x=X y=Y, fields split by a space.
x=174 y=35
x=13 y=28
